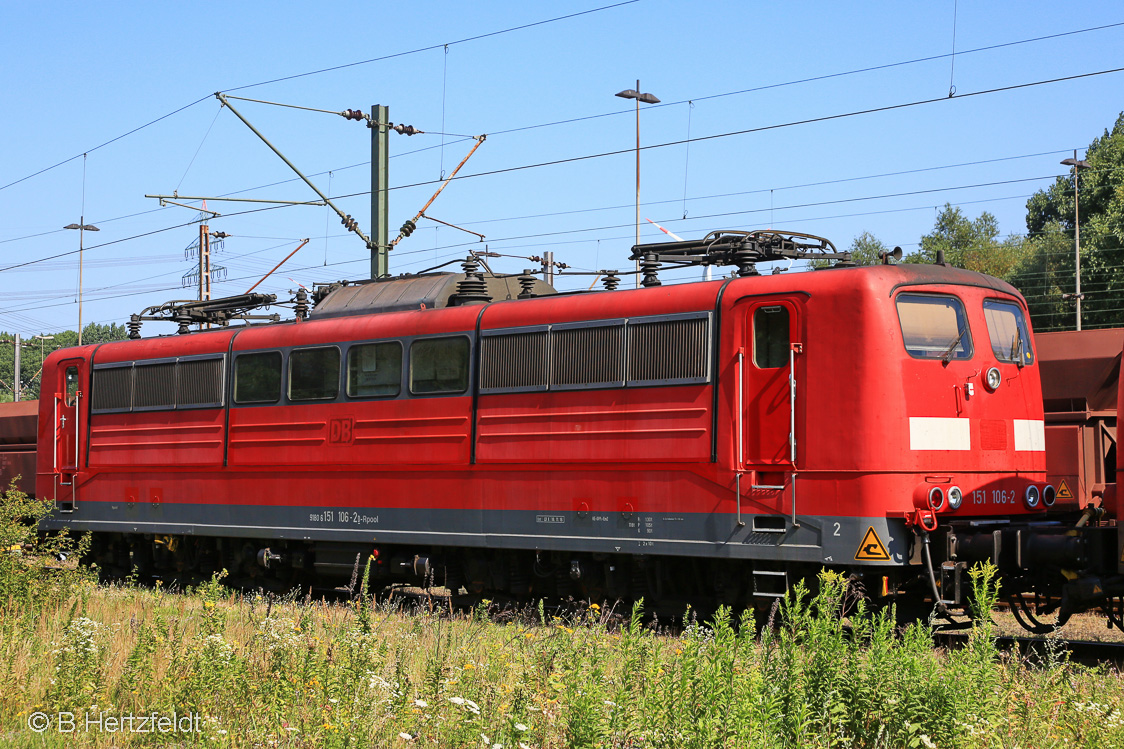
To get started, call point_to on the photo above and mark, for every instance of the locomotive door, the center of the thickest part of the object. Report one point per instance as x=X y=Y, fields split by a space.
x=71 y=373
x=766 y=361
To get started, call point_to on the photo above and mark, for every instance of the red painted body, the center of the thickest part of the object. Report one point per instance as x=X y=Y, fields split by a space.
x=598 y=450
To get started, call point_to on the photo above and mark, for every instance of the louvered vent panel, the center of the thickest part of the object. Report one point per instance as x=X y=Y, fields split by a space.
x=517 y=360
x=155 y=386
x=588 y=356
x=668 y=350
x=199 y=383
x=113 y=389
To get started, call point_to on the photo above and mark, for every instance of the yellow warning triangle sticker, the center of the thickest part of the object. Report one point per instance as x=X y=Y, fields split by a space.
x=1064 y=492
x=872 y=549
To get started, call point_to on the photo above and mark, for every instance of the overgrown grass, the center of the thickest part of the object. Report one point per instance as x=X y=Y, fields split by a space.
x=296 y=674
x=31 y=569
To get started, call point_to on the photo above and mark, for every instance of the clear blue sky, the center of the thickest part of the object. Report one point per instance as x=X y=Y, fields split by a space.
x=76 y=75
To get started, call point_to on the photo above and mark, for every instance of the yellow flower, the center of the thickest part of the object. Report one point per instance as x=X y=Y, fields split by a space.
x=469 y=666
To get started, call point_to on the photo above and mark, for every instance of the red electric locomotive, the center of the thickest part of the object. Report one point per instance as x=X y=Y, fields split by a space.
x=710 y=441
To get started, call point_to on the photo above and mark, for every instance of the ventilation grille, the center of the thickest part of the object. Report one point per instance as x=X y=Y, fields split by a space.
x=113 y=389
x=199 y=383
x=156 y=386
x=668 y=350
x=517 y=361
x=588 y=356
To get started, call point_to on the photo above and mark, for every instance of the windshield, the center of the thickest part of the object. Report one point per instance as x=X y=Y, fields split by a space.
x=1006 y=326
x=934 y=327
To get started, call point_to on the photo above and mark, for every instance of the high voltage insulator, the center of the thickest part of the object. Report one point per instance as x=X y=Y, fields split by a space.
x=406 y=130
x=349 y=223
x=353 y=114
x=408 y=228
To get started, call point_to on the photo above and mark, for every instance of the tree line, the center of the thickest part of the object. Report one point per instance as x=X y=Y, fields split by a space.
x=35 y=349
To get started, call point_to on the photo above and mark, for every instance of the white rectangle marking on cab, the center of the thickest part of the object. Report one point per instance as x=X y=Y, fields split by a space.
x=939 y=433
x=1030 y=435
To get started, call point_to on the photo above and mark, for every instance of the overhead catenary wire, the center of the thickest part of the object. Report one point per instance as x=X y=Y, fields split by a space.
x=466 y=244
x=826 y=76
x=316 y=72
x=819 y=119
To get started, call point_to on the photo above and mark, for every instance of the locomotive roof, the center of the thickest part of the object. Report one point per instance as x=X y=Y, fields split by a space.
x=394 y=306
x=412 y=292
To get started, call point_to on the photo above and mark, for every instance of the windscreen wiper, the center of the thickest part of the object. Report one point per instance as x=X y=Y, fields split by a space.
x=947 y=355
x=1017 y=348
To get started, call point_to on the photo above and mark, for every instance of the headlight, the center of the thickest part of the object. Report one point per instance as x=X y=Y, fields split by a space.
x=1049 y=494
x=936 y=498
x=955 y=497
x=1032 y=496
x=993 y=378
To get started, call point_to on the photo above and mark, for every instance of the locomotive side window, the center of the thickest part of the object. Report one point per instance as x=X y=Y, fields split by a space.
x=439 y=365
x=1006 y=326
x=257 y=377
x=934 y=327
x=71 y=385
x=314 y=374
x=374 y=369
x=770 y=337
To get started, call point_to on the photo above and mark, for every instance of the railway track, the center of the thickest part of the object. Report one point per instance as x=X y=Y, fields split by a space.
x=1043 y=650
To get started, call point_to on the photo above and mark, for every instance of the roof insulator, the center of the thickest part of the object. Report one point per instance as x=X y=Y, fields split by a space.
x=650 y=267
x=527 y=284
x=472 y=289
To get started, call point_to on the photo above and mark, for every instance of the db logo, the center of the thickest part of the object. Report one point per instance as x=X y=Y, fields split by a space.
x=340 y=431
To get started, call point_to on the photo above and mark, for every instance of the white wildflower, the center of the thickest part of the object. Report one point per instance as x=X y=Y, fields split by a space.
x=279 y=632
x=421 y=703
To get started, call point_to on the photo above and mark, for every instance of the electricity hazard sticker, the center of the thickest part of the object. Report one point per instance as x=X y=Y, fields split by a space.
x=872 y=549
x=1063 y=491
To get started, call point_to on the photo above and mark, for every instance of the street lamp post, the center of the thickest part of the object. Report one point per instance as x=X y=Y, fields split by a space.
x=1077 y=167
x=81 y=226
x=629 y=93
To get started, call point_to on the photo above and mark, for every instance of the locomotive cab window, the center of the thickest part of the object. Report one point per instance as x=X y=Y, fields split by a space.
x=770 y=337
x=257 y=377
x=71 y=385
x=314 y=374
x=1006 y=326
x=934 y=327
x=439 y=365
x=374 y=369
